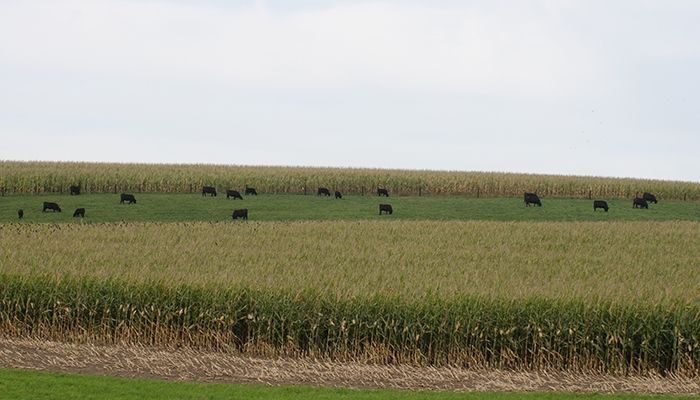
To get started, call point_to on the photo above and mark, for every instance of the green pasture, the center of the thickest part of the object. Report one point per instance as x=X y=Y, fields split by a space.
x=289 y=207
x=19 y=384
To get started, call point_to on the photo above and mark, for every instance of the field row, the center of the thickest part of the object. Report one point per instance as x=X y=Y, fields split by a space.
x=534 y=334
x=45 y=177
x=619 y=262
x=613 y=297
x=286 y=207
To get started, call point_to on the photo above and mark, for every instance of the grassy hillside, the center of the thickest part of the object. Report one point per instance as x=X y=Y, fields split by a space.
x=44 y=177
x=284 y=207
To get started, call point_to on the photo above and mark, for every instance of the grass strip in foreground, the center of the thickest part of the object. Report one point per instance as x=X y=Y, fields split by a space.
x=20 y=384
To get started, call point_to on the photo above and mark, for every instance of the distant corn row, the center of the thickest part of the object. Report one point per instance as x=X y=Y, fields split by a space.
x=532 y=334
x=40 y=177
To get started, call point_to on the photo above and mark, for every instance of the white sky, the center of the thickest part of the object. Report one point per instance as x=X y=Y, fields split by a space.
x=567 y=87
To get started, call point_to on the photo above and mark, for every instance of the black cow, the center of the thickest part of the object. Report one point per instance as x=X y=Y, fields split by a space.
x=323 y=191
x=208 y=190
x=233 y=193
x=649 y=197
x=51 y=206
x=386 y=208
x=338 y=195
x=20 y=213
x=639 y=202
x=128 y=198
x=531 y=198
x=250 y=190
x=382 y=192
x=600 y=204
x=75 y=190
x=79 y=212
x=241 y=213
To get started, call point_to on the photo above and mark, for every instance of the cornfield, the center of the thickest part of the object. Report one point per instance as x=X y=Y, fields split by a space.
x=576 y=296
x=533 y=334
x=41 y=177
x=408 y=259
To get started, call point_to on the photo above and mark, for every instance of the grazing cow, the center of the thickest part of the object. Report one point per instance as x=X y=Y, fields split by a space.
x=128 y=198
x=250 y=190
x=323 y=191
x=649 y=197
x=338 y=195
x=20 y=213
x=382 y=192
x=79 y=212
x=531 y=198
x=600 y=204
x=75 y=190
x=386 y=208
x=241 y=213
x=233 y=193
x=51 y=206
x=208 y=190
x=640 y=203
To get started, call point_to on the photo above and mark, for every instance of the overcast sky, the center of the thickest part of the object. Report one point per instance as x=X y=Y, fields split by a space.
x=565 y=87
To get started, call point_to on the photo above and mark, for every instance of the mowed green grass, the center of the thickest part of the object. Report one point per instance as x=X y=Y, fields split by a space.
x=20 y=384
x=285 y=207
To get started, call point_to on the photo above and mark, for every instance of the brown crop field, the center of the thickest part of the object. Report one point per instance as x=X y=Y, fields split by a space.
x=631 y=262
x=612 y=297
x=56 y=177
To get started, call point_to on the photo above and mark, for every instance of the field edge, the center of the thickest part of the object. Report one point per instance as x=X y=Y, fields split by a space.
x=189 y=365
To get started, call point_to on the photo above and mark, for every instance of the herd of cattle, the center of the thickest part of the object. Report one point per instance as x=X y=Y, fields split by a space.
x=242 y=213
x=638 y=202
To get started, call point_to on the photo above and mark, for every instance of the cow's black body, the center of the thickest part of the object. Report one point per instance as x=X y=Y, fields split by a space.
x=250 y=190
x=51 y=206
x=129 y=198
x=640 y=203
x=208 y=190
x=600 y=204
x=79 y=212
x=338 y=195
x=382 y=192
x=531 y=198
x=386 y=208
x=233 y=193
x=323 y=191
x=74 y=190
x=650 y=198
x=240 y=213
x=20 y=213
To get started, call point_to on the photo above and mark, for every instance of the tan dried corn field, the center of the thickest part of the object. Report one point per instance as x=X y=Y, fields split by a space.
x=607 y=297
x=651 y=262
x=41 y=177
